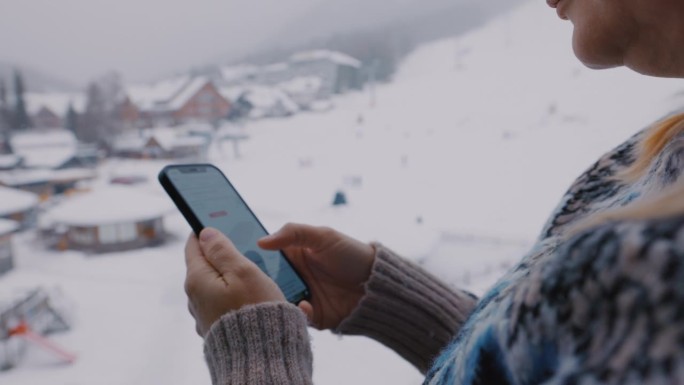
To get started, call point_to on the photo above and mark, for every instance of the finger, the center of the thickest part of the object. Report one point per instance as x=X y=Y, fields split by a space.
x=306 y=307
x=194 y=260
x=219 y=251
x=297 y=235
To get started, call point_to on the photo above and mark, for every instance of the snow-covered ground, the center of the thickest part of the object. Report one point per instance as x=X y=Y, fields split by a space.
x=456 y=166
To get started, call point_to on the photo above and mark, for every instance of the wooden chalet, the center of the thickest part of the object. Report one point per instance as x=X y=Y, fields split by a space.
x=108 y=220
x=176 y=101
x=18 y=206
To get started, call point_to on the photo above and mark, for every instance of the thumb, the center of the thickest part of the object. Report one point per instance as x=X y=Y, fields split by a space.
x=297 y=235
x=305 y=306
x=219 y=251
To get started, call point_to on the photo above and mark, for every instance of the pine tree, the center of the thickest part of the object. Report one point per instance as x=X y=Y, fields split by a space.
x=93 y=127
x=21 y=117
x=3 y=93
x=5 y=113
x=71 y=121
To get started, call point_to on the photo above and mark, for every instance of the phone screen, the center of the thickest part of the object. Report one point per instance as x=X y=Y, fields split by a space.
x=215 y=203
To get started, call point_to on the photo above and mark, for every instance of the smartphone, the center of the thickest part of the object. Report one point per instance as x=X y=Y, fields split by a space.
x=206 y=198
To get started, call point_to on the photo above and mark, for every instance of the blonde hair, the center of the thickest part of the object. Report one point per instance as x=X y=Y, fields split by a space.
x=656 y=139
x=667 y=203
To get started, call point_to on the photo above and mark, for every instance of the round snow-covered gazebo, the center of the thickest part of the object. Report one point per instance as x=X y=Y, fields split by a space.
x=111 y=219
x=19 y=206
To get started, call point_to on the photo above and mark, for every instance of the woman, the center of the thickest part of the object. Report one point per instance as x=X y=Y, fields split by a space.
x=598 y=300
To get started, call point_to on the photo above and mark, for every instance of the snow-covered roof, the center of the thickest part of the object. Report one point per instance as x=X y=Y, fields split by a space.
x=167 y=137
x=44 y=148
x=109 y=205
x=14 y=201
x=129 y=142
x=56 y=102
x=170 y=94
x=8 y=226
x=302 y=85
x=25 y=177
x=266 y=97
x=151 y=96
x=275 y=67
x=190 y=90
x=333 y=56
x=195 y=127
x=238 y=72
x=9 y=161
x=232 y=93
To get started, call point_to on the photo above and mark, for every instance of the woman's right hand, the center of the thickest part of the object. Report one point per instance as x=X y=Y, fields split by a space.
x=335 y=267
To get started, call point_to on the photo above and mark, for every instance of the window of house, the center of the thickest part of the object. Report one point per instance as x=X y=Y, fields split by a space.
x=127 y=232
x=150 y=229
x=107 y=234
x=118 y=233
x=83 y=236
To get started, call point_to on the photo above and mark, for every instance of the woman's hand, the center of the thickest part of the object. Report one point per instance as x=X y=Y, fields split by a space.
x=335 y=267
x=220 y=279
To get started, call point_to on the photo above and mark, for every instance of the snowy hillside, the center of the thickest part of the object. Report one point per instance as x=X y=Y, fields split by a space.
x=456 y=166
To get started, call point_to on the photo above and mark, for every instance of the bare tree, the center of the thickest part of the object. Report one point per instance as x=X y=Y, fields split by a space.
x=101 y=122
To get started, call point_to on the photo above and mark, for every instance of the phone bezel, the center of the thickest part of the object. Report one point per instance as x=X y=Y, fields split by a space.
x=197 y=225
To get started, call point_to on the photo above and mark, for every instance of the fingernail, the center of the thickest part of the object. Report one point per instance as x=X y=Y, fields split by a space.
x=208 y=234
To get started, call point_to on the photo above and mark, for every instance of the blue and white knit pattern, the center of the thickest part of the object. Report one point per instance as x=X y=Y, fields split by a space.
x=605 y=306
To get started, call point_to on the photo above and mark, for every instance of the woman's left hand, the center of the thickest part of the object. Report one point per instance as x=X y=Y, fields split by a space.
x=219 y=279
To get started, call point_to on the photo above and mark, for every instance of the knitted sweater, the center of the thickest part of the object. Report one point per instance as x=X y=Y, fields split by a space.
x=603 y=306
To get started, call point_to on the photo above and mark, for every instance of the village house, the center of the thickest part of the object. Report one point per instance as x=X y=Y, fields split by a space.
x=20 y=207
x=91 y=223
x=47 y=162
x=128 y=113
x=238 y=75
x=53 y=148
x=10 y=162
x=322 y=73
x=162 y=143
x=49 y=110
x=7 y=228
x=175 y=101
x=45 y=183
x=338 y=72
x=264 y=101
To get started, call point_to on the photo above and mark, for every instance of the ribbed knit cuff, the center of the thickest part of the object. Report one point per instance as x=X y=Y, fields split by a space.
x=260 y=344
x=408 y=310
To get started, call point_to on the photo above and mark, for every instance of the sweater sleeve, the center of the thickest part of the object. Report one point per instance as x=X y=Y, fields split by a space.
x=260 y=344
x=408 y=310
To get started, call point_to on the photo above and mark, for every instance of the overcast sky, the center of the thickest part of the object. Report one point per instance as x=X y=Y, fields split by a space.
x=142 y=39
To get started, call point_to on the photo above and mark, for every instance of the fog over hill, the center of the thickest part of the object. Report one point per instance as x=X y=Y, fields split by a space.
x=336 y=17
x=212 y=33
x=35 y=80
x=378 y=32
